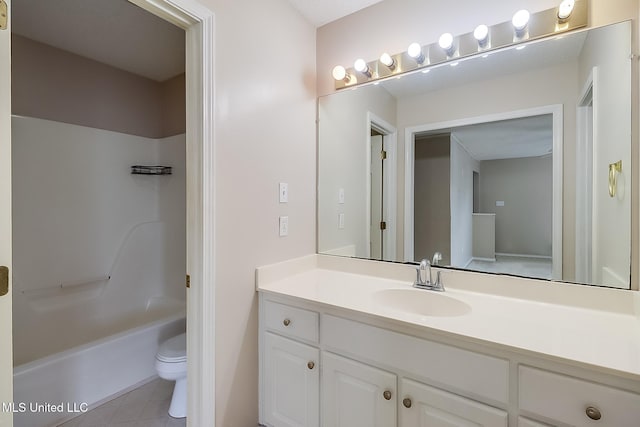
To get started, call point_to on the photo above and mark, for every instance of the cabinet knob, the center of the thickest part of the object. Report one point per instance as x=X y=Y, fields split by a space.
x=406 y=402
x=387 y=395
x=311 y=365
x=593 y=413
x=286 y=322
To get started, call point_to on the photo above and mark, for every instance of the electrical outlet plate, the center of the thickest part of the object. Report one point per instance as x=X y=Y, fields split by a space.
x=284 y=192
x=284 y=226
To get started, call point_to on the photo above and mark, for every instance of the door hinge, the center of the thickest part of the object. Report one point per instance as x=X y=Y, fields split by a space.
x=4 y=280
x=4 y=15
x=188 y=281
x=383 y=225
x=383 y=155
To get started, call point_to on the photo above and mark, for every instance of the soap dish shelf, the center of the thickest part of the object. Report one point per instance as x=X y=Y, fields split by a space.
x=150 y=170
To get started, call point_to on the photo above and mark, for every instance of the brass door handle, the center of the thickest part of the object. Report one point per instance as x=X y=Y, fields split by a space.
x=286 y=322
x=406 y=402
x=311 y=365
x=4 y=280
x=387 y=395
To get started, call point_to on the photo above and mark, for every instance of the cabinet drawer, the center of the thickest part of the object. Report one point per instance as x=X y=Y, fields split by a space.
x=291 y=321
x=475 y=374
x=559 y=398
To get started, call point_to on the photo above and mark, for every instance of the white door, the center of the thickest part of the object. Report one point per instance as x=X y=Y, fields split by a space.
x=292 y=383
x=377 y=149
x=356 y=395
x=6 y=360
x=424 y=406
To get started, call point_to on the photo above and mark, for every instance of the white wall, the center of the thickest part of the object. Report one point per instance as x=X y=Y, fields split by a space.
x=342 y=156
x=265 y=133
x=77 y=214
x=462 y=168
x=611 y=216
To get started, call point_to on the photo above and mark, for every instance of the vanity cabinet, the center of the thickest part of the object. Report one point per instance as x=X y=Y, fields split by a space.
x=356 y=395
x=324 y=366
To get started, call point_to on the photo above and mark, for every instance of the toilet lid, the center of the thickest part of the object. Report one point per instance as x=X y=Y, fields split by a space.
x=174 y=349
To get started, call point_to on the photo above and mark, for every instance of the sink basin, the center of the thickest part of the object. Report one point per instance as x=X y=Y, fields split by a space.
x=421 y=302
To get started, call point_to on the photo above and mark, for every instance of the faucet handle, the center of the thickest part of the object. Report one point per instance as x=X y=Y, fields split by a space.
x=438 y=284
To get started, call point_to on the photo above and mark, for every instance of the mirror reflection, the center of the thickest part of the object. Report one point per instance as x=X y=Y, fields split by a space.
x=500 y=163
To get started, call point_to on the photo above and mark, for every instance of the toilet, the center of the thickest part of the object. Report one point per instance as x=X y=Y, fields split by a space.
x=171 y=364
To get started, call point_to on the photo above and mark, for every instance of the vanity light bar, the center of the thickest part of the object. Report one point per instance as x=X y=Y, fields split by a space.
x=539 y=25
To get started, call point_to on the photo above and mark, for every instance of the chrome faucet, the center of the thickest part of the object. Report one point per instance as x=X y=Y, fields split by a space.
x=424 y=279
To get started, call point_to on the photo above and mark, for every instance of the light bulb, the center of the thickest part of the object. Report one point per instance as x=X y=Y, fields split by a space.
x=360 y=65
x=565 y=9
x=481 y=34
x=520 y=19
x=446 y=41
x=387 y=60
x=339 y=73
x=415 y=51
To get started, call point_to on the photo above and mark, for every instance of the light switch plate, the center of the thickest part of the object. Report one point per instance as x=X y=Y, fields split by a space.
x=341 y=220
x=341 y=196
x=284 y=192
x=284 y=226
x=499 y=202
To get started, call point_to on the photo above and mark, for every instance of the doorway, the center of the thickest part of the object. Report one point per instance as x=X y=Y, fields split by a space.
x=197 y=20
x=501 y=166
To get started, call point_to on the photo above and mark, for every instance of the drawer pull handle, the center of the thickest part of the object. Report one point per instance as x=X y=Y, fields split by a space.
x=387 y=395
x=406 y=402
x=593 y=413
x=286 y=322
x=311 y=365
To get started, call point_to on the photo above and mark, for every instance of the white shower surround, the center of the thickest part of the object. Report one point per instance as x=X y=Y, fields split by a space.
x=81 y=219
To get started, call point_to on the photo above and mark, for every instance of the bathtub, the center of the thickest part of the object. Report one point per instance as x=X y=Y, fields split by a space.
x=91 y=373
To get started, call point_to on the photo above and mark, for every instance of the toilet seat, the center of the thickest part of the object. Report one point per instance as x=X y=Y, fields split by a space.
x=173 y=350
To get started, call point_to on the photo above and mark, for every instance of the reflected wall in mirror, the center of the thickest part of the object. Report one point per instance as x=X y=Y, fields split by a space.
x=500 y=163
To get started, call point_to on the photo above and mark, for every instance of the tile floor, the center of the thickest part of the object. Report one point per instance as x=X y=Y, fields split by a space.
x=145 y=406
x=521 y=266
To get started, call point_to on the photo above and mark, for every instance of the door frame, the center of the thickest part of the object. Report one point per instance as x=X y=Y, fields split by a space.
x=199 y=25
x=389 y=185
x=586 y=214
x=556 y=228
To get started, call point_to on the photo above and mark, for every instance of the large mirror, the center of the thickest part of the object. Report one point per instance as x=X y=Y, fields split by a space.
x=517 y=162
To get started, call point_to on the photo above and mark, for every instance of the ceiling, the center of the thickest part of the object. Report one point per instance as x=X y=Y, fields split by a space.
x=320 y=12
x=113 y=32
x=120 y=34
x=506 y=139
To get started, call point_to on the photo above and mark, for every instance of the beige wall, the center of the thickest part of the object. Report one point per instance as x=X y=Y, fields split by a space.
x=265 y=133
x=432 y=213
x=523 y=224
x=49 y=83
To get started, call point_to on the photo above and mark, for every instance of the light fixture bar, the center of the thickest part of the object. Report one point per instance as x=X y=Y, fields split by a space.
x=541 y=24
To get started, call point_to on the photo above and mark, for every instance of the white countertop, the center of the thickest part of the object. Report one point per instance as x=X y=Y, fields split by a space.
x=595 y=326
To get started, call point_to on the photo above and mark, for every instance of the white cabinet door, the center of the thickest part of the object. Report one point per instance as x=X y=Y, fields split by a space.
x=525 y=422
x=422 y=406
x=291 y=383
x=356 y=395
